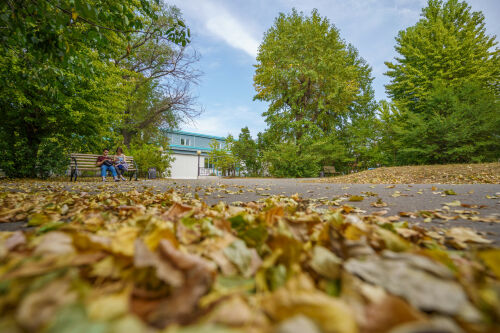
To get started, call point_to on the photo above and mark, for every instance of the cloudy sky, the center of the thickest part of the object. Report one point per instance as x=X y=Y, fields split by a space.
x=227 y=34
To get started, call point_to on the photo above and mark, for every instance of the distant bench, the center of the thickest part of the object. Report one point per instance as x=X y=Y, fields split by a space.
x=87 y=162
x=329 y=170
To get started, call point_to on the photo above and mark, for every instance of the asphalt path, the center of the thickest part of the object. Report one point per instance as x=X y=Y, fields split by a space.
x=400 y=198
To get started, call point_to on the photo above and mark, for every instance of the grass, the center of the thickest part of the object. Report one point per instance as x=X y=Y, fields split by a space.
x=483 y=173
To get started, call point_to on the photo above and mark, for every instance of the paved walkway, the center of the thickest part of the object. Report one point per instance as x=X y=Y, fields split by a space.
x=484 y=199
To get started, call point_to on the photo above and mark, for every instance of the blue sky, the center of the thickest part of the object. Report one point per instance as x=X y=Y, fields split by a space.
x=227 y=34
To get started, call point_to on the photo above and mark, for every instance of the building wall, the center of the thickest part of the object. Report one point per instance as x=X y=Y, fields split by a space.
x=185 y=166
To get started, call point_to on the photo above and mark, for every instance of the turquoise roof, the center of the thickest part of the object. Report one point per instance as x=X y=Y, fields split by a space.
x=196 y=134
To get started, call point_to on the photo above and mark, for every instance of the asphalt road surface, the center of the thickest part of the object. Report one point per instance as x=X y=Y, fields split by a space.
x=484 y=198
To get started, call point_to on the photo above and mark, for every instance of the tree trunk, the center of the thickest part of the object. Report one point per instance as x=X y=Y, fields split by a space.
x=26 y=165
x=127 y=137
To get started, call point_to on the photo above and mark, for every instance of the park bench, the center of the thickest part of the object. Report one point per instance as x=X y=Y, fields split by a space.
x=329 y=170
x=87 y=162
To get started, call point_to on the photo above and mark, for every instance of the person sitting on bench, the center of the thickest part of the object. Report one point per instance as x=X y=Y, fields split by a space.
x=121 y=163
x=106 y=163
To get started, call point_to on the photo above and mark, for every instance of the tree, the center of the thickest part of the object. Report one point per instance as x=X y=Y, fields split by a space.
x=53 y=104
x=289 y=160
x=316 y=85
x=61 y=88
x=448 y=46
x=390 y=126
x=466 y=127
x=222 y=156
x=446 y=84
x=245 y=151
x=161 y=73
x=306 y=72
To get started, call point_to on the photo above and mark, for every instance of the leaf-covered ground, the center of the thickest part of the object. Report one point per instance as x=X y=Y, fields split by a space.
x=485 y=173
x=166 y=261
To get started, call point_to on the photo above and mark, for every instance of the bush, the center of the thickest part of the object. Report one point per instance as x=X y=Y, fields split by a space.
x=150 y=156
x=288 y=160
x=52 y=158
x=49 y=158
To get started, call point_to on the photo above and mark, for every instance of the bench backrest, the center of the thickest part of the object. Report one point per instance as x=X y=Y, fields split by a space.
x=88 y=161
x=329 y=169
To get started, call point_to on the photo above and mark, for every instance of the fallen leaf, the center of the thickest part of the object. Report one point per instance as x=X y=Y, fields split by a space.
x=462 y=236
x=325 y=263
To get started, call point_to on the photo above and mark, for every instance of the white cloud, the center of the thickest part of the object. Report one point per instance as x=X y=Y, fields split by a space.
x=218 y=22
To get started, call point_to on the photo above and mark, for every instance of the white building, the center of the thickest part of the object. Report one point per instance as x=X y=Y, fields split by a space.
x=190 y=151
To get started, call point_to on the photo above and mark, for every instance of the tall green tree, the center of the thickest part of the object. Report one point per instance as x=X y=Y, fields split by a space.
x=317 y=85
x=245 y=150
x=446 y=84
x=306 y=72
x=389 y=126
x=60 y=85
x=448 y=46
x=458 y=125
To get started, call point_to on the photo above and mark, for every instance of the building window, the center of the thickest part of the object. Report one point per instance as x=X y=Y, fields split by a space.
x=185 y=142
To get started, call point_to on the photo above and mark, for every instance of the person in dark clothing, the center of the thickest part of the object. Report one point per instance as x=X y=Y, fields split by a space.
x=106 y=164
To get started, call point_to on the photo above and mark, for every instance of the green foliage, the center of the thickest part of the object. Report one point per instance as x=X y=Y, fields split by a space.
x=445 y=84
x=52 y=30
x=245 y=151
x=448 y=46
x=290 y=160
x=389 y=126
x=161 y=73
x=148 y=155
x=53 y=157
x=458 y=125
x=307 y=73
x=322 y=105
x=222 y=156
x=37 y=104
x=63 y=86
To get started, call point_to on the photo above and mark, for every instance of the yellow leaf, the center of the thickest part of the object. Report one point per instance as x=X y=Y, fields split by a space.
x=356 y=198
x=491 y=258
x=153 y=239
x=109 y=306
x=332 y=315
x=123 y=242
x=353 y=233
x=393 y=241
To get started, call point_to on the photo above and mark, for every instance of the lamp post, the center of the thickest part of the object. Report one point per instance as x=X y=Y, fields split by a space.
x=198 y=152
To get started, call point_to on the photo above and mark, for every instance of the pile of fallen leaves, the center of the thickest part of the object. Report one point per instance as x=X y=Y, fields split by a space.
x=485 y=173
x=144 y=262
